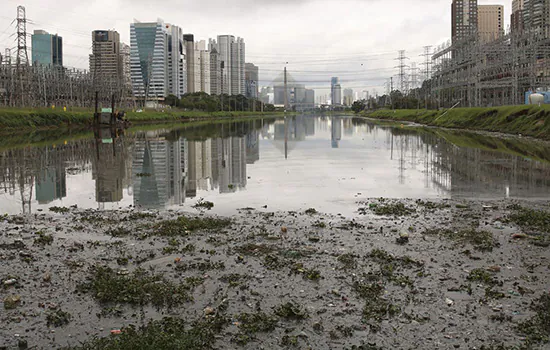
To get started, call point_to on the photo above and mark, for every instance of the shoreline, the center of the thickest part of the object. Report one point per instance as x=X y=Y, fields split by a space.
x=533 y=121
x=23 y=120
x=400 y=273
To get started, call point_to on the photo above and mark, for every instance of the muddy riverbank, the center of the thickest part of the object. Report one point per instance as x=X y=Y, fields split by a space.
x=398 y=275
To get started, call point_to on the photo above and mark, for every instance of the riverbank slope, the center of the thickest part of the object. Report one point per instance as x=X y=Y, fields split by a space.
x=18 y=119
x=526 y=120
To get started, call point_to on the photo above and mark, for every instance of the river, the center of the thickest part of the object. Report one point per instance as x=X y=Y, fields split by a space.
x=322 y=162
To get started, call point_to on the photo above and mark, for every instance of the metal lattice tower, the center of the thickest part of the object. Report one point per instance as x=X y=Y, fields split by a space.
x=427 y=62
x=414 y=76
x=403 y=78
x=22 y=55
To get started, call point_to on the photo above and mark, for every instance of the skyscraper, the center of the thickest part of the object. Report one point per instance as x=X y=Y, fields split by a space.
x=464 y=19
x=176 y=61
x=536 y=17
x=106 y=60
x=47 y=49
x=189 y=40
x=231 y=52
x=252 y=74
x=126 y=70
x=333 y=98
x=348 y=97
x=310 y=99
x=215 y=72
x=517 y=16
x=157 y=60
x=490 y=22
x=148 y=59
x=202 y=68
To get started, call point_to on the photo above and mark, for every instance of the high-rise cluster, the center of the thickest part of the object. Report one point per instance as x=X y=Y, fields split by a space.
x=160 y=61
x=470 y=20
x=487 y=66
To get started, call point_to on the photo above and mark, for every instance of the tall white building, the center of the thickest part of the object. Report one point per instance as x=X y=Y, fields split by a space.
x=231 y=52
x=177 y=68
x=157 y=60
x=202 y=68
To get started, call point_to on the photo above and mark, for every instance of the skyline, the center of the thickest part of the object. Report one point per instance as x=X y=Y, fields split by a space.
x=313 y=53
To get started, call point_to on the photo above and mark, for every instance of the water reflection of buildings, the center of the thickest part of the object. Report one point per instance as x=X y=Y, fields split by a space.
x=159 y=172
x=336 y=131
x=51 y=184
x=108 y=169
x=166 y=172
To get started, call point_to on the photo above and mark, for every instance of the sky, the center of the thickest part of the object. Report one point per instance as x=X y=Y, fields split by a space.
x=356 y=40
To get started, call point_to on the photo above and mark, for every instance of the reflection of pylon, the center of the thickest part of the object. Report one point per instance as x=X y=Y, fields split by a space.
x=403 y=83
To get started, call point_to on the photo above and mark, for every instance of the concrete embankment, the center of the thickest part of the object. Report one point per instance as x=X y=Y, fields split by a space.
x=526 y=120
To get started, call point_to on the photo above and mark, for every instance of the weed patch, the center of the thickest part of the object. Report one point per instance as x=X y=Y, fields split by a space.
x=183 y=226
x=291 y=311
x=58 y=318
x=138 y=288
x=169 y=333
x=531 y=220
x=537 y=329
x=480 y=240
x=397 y=209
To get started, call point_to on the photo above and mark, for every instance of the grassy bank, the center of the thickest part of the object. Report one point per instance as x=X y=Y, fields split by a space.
x=526 y=120
x=13 y=118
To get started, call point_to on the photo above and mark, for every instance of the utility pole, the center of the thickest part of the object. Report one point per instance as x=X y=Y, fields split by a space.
x=222 y=64
x=391 y=91
x=286 y=90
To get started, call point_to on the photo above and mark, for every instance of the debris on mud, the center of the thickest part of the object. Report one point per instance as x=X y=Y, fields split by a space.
x=402 y=274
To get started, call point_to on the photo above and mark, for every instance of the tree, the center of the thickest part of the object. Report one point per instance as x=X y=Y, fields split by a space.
x=358 y=106
x=172 y=100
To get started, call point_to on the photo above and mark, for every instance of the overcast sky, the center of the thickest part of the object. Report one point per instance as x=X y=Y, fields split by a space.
x=356 y=40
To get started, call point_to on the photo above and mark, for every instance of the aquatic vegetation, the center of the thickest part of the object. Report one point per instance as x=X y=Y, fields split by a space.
x=58 y=318
x=531 y=219
x=311 y=211
x=396 y=209
x=537 y=329
x=183 y=226
x=481 y=240
x=118 y=232
x=138 y=288
x=202 y=204
x=60 y=210
x=291 y=311
x=250 y=324
x=307 y=274
x=166 y=334
x=376 y=308
x=348 y=260
x=234 y=279
x=43 y=239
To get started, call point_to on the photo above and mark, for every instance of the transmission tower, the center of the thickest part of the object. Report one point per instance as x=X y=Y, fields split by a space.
x=427 y=62
x=403 y=82
x=414 y=76
x=22 y=60
x=22 y=55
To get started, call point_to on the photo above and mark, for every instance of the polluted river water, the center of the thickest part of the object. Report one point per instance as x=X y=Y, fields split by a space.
x=292 y=164
x=310 y=232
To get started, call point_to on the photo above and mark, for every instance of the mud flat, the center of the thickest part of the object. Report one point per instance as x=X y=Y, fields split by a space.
x=401 y=274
